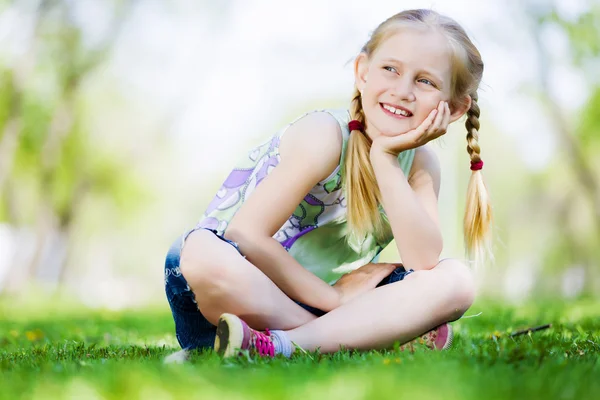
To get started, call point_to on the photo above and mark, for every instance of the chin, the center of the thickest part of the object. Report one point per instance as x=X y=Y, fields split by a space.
x=391 y=133
x=395 y=130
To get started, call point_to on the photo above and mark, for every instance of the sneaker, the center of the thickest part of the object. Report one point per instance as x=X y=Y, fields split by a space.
x=439 y=338
x=233 y=335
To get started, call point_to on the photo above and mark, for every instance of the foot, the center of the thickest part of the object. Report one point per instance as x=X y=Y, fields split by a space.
x=233 y=335
x=439 y=338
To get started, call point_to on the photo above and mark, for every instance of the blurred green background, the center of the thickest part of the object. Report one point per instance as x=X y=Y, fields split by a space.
x=120 y=119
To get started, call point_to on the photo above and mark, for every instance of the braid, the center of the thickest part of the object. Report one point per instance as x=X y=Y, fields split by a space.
x=472 y=125
x=478 y=212
x=362 y=191
x=357 y=112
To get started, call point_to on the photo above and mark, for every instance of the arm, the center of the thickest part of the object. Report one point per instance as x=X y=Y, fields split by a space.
x=301 y=167
x=411 y=205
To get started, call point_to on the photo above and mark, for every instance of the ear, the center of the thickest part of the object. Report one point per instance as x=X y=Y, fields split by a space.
x=460 y=109
x=361 y=68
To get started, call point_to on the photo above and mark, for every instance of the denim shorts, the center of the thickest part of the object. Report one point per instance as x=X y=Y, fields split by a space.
x=192 y=329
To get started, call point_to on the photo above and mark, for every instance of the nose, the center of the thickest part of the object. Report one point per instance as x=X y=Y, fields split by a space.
x=404 y=89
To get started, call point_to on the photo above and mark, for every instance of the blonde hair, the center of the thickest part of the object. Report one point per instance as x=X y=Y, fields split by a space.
x=362 y=192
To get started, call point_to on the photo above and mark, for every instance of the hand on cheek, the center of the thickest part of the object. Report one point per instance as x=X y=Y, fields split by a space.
x=434 y=126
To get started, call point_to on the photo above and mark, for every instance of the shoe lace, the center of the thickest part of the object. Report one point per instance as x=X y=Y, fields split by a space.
x=263 y=343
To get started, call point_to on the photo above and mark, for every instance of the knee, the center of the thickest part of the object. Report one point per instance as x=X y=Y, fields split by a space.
x=460 y=285
x=200 y=266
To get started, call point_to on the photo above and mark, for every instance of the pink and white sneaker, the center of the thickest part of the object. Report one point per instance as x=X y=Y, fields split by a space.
x=439 y=338
x=233 y=335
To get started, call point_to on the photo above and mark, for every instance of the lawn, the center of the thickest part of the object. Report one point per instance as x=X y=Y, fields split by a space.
x=64 y=352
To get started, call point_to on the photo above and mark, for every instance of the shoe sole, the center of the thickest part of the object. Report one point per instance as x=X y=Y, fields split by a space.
x=230 y=335
x=449 y=338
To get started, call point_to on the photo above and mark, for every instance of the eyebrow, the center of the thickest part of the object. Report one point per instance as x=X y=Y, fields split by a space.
x=435 y=76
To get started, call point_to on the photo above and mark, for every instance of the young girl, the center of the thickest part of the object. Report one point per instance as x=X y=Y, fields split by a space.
x=317 y=203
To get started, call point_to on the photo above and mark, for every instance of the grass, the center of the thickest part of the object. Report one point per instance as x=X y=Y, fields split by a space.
x=49 y=352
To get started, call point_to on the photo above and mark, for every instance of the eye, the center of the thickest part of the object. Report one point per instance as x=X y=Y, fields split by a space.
x=391 y=69
x=427 y=81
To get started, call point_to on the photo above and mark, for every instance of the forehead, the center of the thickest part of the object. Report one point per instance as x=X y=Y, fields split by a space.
x=418 y=48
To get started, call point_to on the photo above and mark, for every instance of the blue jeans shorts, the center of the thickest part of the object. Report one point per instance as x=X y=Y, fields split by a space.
x=192 y=329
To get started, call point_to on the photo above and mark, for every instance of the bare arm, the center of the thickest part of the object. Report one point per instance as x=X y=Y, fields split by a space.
x=265 y=211
x=411 y=206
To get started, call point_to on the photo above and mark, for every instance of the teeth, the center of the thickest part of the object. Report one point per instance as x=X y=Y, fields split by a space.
x=395 y=110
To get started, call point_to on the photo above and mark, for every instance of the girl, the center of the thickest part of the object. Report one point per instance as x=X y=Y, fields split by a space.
x=317 y=203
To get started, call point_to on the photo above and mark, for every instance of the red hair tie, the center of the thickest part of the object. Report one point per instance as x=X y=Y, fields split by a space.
x=355 y=125
x=476 y=166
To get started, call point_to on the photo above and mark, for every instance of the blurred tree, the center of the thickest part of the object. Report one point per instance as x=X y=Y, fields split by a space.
x=574 y=242
x=48 y=164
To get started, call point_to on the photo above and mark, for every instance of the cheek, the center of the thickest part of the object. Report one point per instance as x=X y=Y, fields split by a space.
x=434 y=99
x=430 y=103
x=376 y=85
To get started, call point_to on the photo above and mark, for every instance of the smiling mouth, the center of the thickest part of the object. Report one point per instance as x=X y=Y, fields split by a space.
x=396 y=111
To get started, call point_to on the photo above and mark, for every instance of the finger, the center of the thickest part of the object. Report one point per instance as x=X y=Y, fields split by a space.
x=442 y=128
x=381 y=268
x=433 y=126
x=381 y=274
x=424 y=127
x=390 y=268
x=388 y=271
x=447 y=116
x=385 y=268
x=437 y=123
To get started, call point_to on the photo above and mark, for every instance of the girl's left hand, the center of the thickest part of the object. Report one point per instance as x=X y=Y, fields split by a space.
x=362 y=280
x=434 y=126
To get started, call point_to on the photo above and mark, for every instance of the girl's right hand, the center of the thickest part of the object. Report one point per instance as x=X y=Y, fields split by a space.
x=362 y=280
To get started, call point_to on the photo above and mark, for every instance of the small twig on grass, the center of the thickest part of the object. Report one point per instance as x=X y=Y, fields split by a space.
x=529 y=330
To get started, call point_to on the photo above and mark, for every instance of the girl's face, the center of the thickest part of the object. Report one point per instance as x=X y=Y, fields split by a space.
x=404 y=80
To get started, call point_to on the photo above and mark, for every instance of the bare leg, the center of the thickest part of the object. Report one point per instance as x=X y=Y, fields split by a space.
x=225 y=282
x=399 y=311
